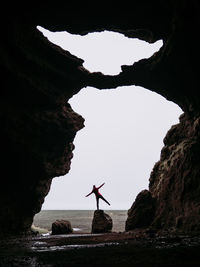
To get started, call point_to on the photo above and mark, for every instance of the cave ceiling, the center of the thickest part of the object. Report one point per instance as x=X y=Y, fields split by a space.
x=170 y=72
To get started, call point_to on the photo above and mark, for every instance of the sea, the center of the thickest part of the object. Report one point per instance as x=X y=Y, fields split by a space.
x=81 y=220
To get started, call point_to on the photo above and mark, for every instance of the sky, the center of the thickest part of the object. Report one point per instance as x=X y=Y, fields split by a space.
x=124 y=127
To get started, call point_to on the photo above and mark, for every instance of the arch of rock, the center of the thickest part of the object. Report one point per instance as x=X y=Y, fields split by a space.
x=38 y=125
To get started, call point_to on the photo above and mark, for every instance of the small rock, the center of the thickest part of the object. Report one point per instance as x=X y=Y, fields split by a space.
x=102 y=222
x=60 y=227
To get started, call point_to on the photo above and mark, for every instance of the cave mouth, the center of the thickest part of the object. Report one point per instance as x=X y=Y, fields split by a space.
x=150 y=109
x=113 y=147
x=119 y=145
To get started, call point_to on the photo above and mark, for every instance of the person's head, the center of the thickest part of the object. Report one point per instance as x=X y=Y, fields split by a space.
x=94 y=186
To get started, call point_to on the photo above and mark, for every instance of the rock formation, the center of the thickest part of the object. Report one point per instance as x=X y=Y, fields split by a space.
x=174 y=182
x=142 y=211
x=38 y=125
x=61 y=227
x=101 y=223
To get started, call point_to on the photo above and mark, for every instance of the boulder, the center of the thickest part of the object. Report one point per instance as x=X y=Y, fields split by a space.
x=60 y=227
x=141 y=213
x=102 y=222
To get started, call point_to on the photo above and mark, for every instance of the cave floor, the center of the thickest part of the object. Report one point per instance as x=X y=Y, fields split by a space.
x=119 y=249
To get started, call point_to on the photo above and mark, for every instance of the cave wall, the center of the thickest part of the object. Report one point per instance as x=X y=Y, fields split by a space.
x=172 y=201
x=38 y=125
x=174 y=181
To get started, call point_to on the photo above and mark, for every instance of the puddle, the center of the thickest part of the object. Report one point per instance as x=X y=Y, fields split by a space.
x=48 y=235
x=39 y=243
x=70 y=247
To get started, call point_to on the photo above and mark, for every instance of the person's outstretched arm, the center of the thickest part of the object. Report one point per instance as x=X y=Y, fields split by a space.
x=100 y=186
x=89 y=194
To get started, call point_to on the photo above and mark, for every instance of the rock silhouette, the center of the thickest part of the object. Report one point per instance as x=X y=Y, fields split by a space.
x=102 y=222
x=142 y=211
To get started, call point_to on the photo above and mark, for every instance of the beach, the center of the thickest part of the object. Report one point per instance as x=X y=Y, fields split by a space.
x=138 y=248
x=141 y=247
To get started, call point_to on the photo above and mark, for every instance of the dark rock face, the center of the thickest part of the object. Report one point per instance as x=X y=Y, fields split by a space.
x=174 y=181
x=61 y=227
x=38 y=125
x=141 y=213
x=101 y=223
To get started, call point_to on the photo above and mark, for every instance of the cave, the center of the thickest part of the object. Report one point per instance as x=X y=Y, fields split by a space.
x=38 y=125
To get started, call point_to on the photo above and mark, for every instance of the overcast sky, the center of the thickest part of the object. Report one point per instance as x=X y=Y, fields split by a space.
x=124 y=127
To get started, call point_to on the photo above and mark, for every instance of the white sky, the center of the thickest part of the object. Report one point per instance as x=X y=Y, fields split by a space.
x=124 y=127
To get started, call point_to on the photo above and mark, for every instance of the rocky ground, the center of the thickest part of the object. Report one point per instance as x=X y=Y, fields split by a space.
x=136 y=248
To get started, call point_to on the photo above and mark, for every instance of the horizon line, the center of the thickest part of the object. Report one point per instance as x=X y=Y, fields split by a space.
x=84 y=209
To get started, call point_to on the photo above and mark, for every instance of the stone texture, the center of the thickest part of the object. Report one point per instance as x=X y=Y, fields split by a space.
x=61 y=227
x=38 y=78
x=141 y=214
x=174 y=181
x=102 y=222
x=38 y=125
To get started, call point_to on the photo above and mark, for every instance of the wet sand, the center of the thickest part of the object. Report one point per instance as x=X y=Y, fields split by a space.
x=118 y=249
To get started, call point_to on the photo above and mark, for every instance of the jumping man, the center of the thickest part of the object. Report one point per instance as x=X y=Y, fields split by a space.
x=95 y=190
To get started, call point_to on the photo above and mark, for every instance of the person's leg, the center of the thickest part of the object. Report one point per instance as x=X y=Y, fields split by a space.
x=105 y=200
x=97 y=199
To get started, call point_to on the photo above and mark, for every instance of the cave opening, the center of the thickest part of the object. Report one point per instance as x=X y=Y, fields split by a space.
x=104 y=51
x=124 y=127
x=39 y=126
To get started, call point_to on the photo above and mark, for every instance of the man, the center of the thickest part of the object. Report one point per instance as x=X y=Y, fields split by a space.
x=95 y=190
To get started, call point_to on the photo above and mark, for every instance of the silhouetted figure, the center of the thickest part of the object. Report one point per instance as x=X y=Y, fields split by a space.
x=95 y=190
